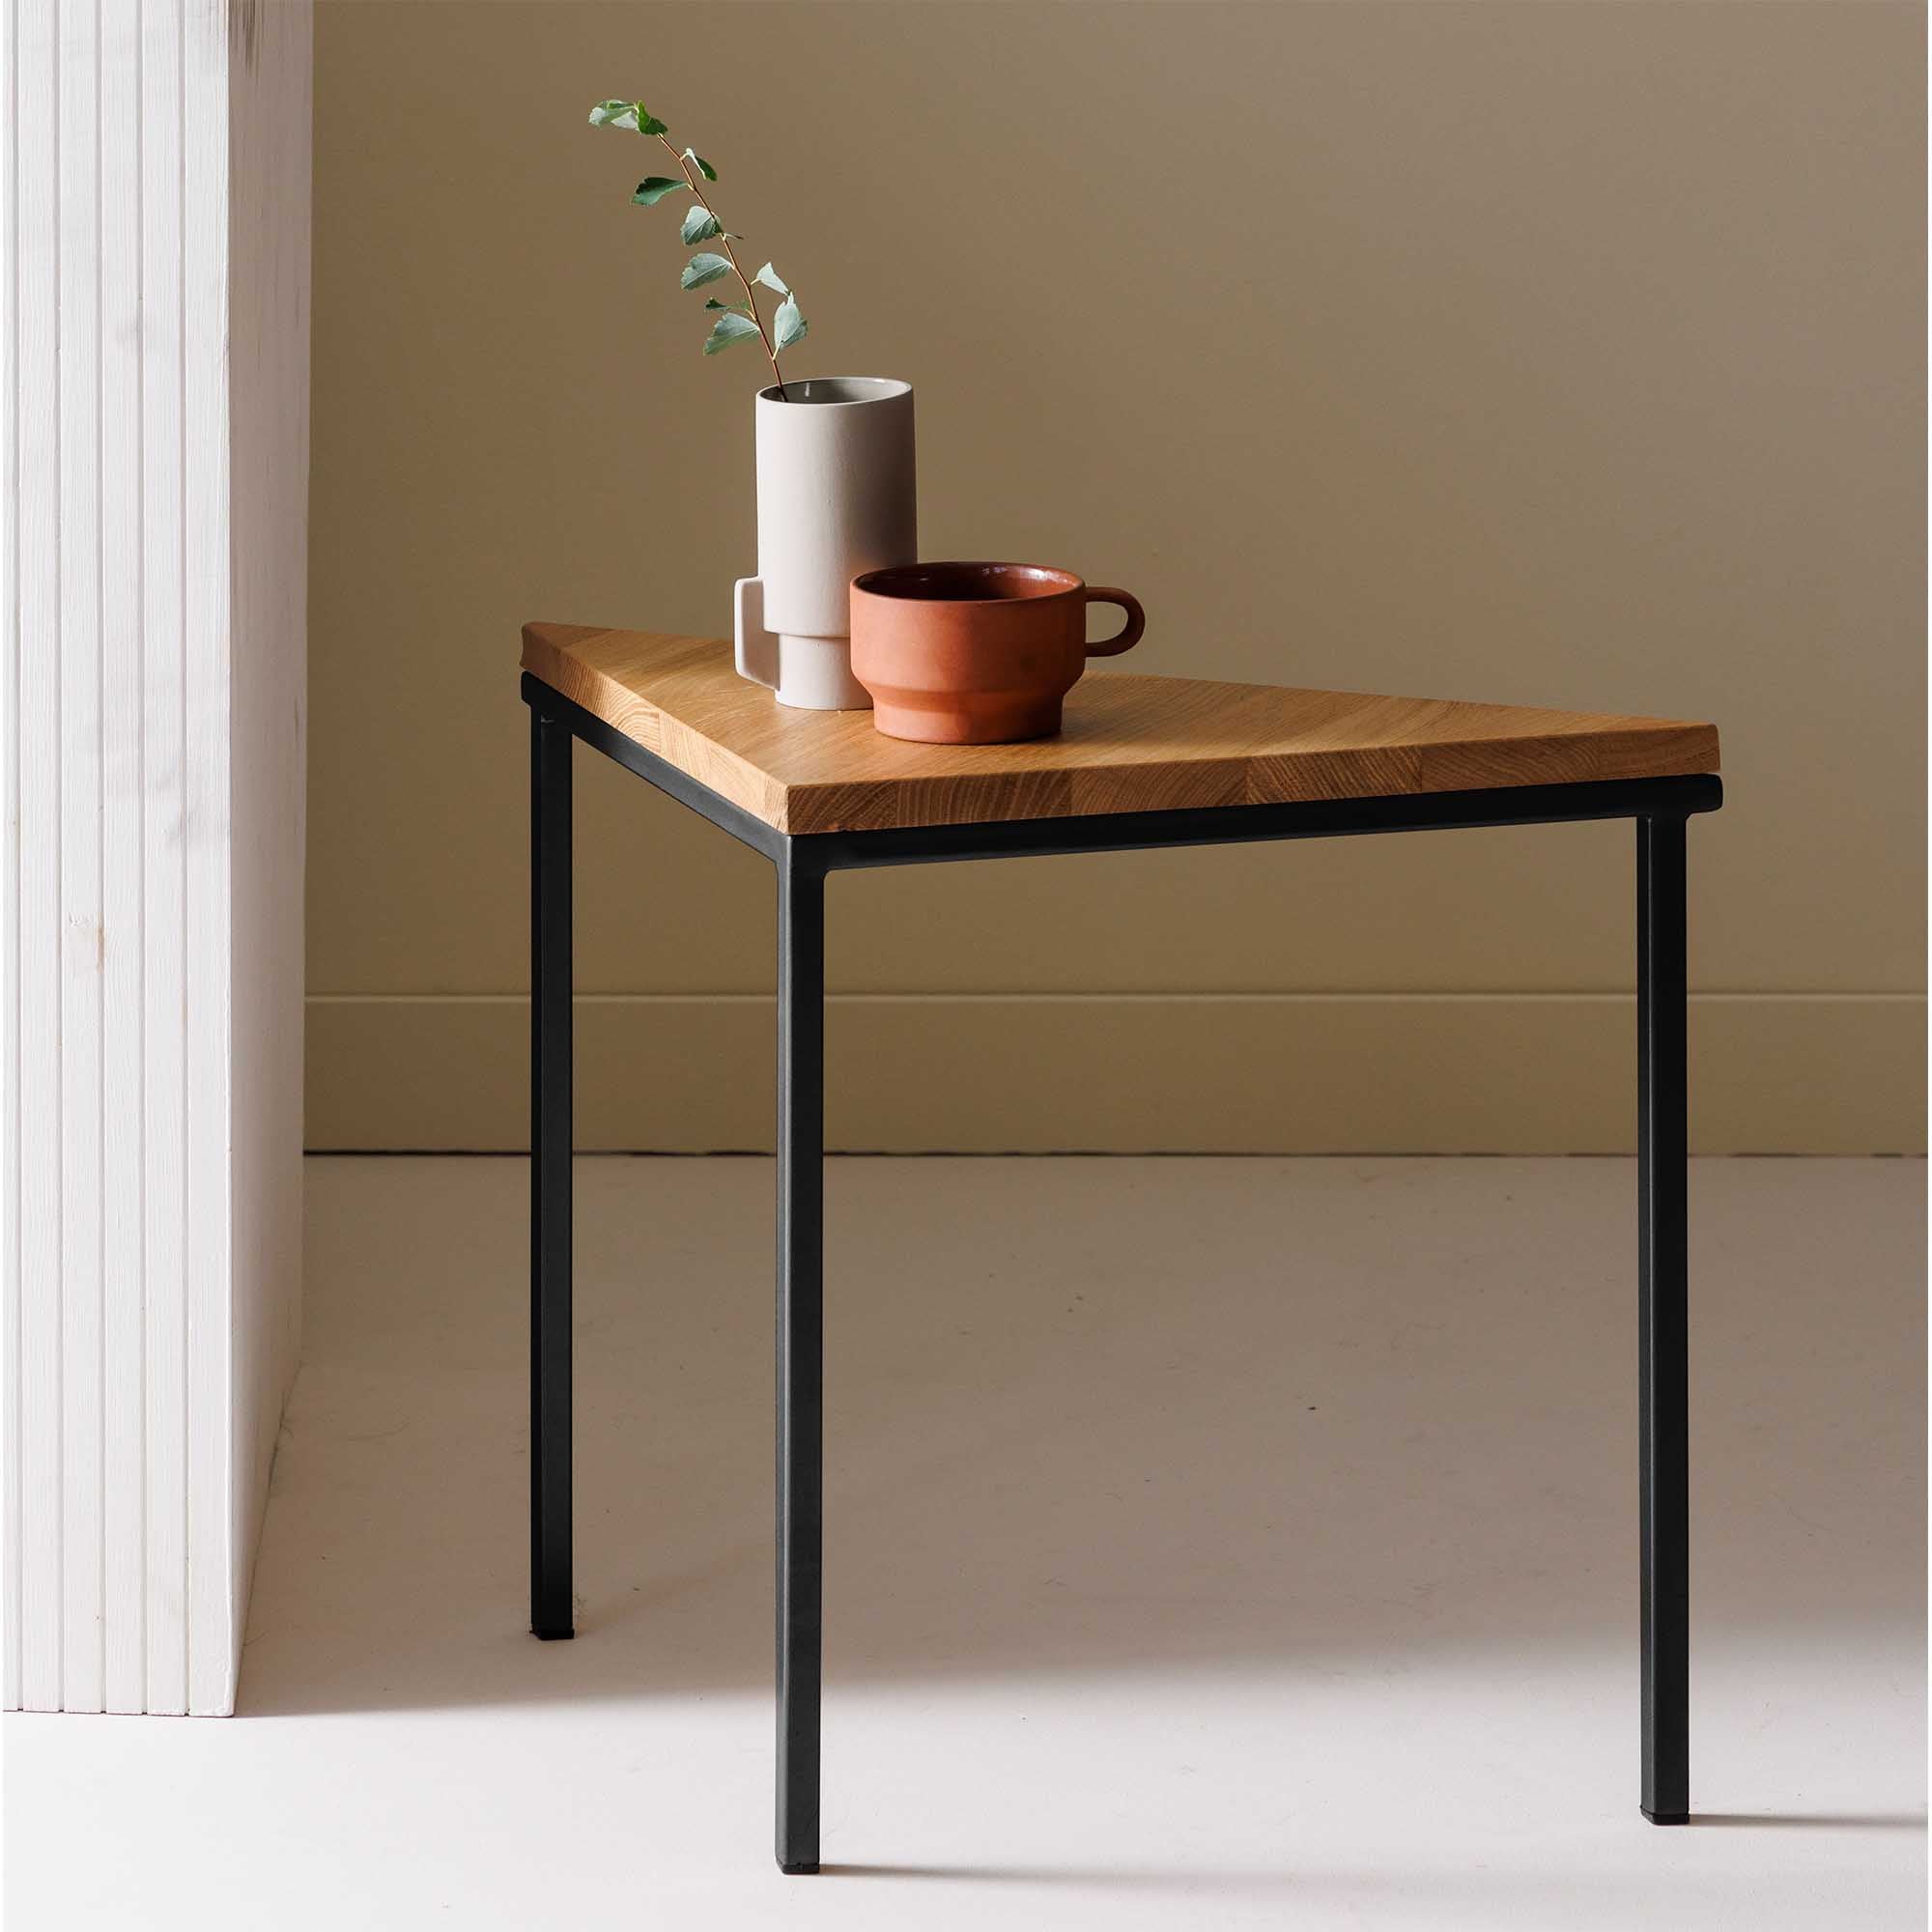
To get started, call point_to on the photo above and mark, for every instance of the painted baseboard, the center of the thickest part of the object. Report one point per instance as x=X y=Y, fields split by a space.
x=1267 y=1073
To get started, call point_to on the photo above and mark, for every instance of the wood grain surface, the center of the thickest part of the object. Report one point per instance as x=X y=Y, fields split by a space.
x=1130 y=743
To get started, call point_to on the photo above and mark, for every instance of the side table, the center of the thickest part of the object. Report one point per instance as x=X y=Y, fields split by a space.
x=1143 y=762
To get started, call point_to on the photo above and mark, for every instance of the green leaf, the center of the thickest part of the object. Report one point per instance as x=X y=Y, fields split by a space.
x=727 y=329
x=742 y=308
x=653 y=188
x=702 y=268
x=702 y=166
x=631 y=114
x=789 y=325
x=699 y=225
x=769 y=275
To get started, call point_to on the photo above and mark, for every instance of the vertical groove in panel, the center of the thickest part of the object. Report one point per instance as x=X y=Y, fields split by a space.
x=165 y=993
x=10 y=901
x=205 y=667
x=123 y=1562
x=79 y=391
x=36 y=426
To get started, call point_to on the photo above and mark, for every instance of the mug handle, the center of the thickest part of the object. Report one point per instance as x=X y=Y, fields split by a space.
x=1130 y=635
x=757 y=649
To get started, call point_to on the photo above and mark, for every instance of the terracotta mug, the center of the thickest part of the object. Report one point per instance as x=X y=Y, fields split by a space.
x=975 y=653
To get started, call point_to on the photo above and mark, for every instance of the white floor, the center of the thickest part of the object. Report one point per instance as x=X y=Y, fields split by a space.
x=1212 y=1543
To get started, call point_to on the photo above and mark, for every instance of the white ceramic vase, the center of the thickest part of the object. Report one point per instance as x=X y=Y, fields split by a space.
x=838 y=494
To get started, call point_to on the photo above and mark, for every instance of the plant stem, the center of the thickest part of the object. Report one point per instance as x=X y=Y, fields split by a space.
x=730 y=255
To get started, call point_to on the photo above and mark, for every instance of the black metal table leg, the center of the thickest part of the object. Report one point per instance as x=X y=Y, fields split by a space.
x=801 y=1332
x=1664 y=1320
x=551 y=1614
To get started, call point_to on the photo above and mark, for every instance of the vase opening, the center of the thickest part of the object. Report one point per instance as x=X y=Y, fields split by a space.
x=835 y=389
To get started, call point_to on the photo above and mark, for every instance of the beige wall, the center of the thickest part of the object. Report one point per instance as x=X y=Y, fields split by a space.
x=1563 y=354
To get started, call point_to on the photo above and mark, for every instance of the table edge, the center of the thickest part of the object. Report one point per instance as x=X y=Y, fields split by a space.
x=1666 y=749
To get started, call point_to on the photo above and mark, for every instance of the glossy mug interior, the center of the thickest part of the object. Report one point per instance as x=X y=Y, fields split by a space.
x=976 y=653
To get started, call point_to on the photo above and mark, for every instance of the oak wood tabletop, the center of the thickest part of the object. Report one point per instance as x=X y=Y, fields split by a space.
x=1131 y=743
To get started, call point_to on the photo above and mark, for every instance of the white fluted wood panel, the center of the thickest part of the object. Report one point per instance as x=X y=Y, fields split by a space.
x=157 y=378
x=164 y=963
x=124 y=1410
x=205 y=827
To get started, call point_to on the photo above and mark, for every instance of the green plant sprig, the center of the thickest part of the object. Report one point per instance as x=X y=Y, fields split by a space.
x=736 y=321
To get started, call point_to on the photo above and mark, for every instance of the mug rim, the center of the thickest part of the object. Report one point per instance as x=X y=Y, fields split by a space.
x=877 y=584
x=884 y=389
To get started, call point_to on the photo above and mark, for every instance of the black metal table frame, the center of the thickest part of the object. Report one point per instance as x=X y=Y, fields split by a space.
x=1660 y=807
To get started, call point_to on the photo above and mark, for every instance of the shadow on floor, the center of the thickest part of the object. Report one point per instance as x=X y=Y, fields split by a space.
x=1082 y=1415
x=1813 y=1821
x=1140 y=1879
